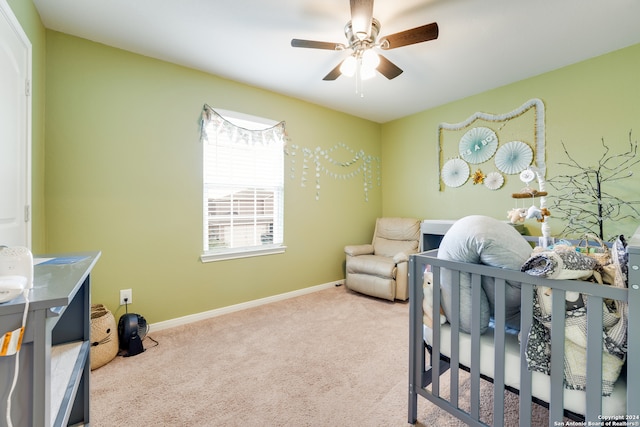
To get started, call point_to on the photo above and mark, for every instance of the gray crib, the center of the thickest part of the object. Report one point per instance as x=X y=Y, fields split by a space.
x=433 y=351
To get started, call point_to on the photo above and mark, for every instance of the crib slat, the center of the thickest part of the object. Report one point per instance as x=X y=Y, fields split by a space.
x=633 y=333
x=454 y=373
x=476 y=287
x=416 y=364
x=594 y=358
x=526 y=319
x=558 y=310
x=435 y=345
x=499 y=359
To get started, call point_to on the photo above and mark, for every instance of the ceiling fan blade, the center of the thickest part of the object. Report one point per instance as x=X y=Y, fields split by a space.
x=361 y=17
x=388 y=68
x=316 y=45
x=333 y=74
x=412 y=36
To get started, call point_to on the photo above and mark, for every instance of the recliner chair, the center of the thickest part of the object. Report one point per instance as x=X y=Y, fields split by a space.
x=380 y=269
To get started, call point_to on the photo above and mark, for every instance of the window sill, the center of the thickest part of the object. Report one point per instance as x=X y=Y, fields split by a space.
x=241 y=253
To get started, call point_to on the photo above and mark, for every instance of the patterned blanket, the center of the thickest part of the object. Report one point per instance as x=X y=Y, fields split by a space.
x=561 y=263
x=538 y=347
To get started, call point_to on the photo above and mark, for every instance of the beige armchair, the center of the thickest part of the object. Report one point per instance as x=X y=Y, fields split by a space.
x=380 y=269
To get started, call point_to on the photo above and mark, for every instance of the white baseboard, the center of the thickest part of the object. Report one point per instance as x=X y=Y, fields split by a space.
x=237 y=307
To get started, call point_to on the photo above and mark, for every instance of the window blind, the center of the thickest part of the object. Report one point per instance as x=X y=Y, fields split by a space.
x=243 y=184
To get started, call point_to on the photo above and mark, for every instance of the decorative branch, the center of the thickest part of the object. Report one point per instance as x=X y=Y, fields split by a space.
x=581 y=199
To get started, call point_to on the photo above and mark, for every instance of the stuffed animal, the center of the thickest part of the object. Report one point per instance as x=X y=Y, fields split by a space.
x=427 y=302
x=517 y=215
x=538 y=213
x=544 y=212
x=534 y=213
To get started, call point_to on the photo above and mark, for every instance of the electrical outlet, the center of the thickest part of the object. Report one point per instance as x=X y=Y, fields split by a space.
x=126 y=294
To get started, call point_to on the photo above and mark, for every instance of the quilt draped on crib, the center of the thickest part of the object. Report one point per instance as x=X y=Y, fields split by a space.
x=538 y=347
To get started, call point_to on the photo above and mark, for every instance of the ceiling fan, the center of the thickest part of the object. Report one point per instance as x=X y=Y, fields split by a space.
x=362 y=37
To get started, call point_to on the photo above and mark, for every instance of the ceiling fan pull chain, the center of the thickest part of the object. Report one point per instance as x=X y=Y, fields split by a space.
x=359 y=78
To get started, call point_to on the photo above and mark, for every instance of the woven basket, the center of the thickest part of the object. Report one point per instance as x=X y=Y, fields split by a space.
x=104 y=336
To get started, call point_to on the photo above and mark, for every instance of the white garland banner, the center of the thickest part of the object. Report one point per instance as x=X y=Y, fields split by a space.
x=321 y=160
x=223 y=127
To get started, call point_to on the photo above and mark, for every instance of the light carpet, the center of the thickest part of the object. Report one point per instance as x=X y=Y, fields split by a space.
x=329 y=358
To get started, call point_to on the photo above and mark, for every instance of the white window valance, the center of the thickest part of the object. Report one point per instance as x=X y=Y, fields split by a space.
x=213 y=121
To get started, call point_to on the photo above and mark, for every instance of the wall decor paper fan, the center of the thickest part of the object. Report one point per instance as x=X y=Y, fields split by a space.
x=455 y=172
x=478 y=145
x=494 y=180
x=362 y=38
x=527 y=176
x=513 y=157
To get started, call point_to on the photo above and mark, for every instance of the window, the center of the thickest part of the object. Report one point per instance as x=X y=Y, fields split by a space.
x=243 y=185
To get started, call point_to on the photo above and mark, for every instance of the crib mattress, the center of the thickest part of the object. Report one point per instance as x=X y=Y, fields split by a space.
x=574 y=400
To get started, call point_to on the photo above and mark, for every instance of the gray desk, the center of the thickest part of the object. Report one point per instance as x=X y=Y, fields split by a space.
x=53 y=381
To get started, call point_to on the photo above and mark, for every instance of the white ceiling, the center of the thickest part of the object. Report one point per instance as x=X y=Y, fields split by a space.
x=482 y=44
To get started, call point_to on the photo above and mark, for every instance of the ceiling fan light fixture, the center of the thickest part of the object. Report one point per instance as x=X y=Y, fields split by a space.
x=370 y=59
x=348 y=67
x=367 y=73
x=362 y=33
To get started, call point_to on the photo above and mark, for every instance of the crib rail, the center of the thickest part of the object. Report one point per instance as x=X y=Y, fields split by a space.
x=422 y=374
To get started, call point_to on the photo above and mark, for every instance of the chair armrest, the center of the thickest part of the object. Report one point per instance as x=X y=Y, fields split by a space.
x=400 y=257
x=355 y=250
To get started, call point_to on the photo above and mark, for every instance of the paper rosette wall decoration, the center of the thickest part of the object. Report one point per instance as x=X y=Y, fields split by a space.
x=527 y=176
x=513 y=157
x=494 y=180
x=478 y=145
x=455 y=172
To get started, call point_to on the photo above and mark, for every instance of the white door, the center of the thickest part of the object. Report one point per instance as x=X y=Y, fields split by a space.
x=15 y=131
